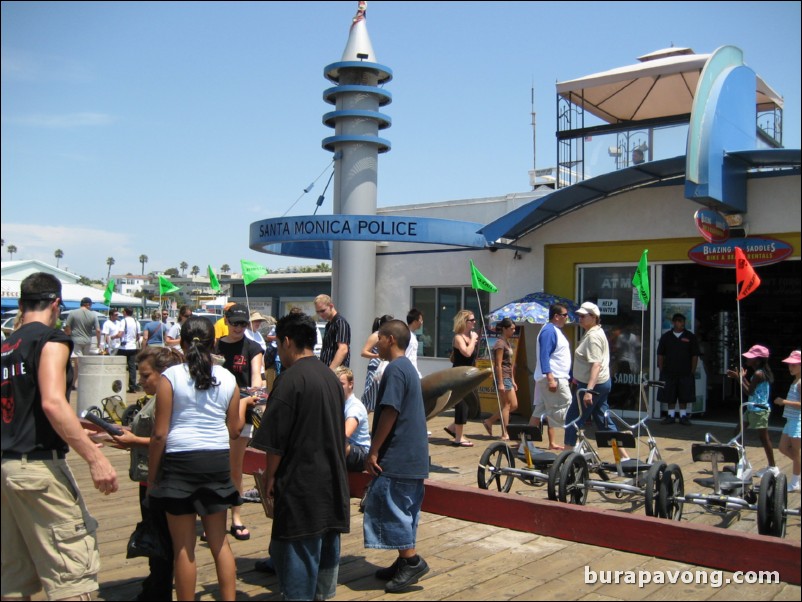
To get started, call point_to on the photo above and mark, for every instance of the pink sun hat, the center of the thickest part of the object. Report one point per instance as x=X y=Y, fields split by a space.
x=794 y=358
x=757 y=351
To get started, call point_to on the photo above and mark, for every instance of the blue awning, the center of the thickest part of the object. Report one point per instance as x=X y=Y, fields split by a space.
x=96 y=306
x=523 y=220
x=542 y=210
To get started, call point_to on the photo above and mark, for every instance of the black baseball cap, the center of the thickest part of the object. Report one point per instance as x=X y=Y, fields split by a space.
x=237 y=313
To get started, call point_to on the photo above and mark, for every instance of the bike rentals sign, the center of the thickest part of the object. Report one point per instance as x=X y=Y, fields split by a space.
x=759 y=251
x=711 y=225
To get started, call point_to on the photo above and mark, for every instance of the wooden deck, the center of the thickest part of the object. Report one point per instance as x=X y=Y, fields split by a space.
x=468 y=560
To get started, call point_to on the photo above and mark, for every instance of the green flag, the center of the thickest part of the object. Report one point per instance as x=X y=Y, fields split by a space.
x=251 y=271
x=166 y=287
x=479 y=282
x=641 y=279
x=109 y=291
x=214 y=284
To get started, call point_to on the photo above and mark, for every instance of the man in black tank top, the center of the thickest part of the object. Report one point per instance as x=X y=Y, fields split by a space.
x=37 y=423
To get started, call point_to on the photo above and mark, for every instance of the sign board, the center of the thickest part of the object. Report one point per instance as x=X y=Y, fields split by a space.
x=608 y=307
x=711 y=225
x=759 y=251
x=311 y=235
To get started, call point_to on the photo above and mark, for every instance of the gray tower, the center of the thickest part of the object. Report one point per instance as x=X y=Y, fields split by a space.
x=356 y=144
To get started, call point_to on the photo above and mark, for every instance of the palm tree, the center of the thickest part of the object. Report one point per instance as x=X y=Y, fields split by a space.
x=11 y=250
x=184 y=265
x=225 y=268
x=195 y=270
x=58 y=255
x=109 y=262
x=143 y=259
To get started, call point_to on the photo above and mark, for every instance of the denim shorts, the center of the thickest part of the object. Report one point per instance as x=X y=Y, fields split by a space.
x=507 y=383
x=792 y=427
x=307 y=569
x=392 y=509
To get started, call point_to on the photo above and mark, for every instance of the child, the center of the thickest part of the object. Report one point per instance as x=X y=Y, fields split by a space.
x=398 y=461
x=790 y=440
x=357 y=431
x=757 y=407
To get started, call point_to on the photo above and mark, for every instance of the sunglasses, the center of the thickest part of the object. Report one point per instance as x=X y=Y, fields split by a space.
x=471 y=320
x=239 y=324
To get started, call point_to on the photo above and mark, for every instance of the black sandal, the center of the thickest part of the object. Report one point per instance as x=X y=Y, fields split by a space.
x=236 y=531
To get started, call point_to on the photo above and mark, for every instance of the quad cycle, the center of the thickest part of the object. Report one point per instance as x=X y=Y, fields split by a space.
x=567 y=475
x=114 y=409
x=624 y=479
x=733 y=488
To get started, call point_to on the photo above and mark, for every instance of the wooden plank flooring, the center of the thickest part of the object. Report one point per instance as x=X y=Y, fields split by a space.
x=469 y=561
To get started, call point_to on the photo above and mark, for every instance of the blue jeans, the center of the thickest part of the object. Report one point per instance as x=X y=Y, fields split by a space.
x=307 y=569
x=596 y=410
x=392 y=510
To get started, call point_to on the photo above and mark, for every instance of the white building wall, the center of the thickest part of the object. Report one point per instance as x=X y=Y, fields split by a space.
x=642 y=214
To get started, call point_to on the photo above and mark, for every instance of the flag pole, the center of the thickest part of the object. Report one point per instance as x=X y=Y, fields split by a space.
x=492 y=368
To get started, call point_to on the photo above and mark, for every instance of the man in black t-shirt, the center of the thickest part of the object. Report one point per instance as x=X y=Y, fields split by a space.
x=303 y=433
x=677 y=356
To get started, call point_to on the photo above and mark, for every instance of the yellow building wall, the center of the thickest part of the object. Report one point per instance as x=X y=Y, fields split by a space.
x=561 y=260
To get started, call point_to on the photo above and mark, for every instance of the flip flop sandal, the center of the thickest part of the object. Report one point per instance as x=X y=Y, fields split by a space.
x=236 y=531
x=463 y=444
x=451 y=434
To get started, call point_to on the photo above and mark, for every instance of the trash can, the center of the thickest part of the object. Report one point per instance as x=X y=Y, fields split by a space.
x=100 y=376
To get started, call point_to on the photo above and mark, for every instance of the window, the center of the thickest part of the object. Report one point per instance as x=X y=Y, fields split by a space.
x=439 y=306
x=626 y=327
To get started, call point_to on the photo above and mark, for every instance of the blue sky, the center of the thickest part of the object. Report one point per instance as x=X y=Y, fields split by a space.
x=165 y=129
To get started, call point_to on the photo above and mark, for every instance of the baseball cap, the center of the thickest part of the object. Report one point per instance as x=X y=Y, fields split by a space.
x=794 y=358
x=228 y=305
x=237 y=313
x=86 y=301
x=588 y=308
x=757 y=351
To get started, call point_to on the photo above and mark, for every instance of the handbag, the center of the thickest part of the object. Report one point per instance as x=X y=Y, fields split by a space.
x=148 y=541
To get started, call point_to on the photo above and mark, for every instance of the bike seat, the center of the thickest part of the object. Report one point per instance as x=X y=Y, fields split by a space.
x=622 y=439
x=530 y=433
x=630 y=466
x=704 y=452
x=543 y=459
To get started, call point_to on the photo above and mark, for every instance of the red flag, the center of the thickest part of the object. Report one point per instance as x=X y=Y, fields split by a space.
x=744 y=274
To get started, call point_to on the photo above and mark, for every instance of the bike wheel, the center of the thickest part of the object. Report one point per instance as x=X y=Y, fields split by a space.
x=94 y=410
x=573 y=476
x=672 y=493
x=129 y=413
x=771 y=503
x=651 y=489
x=554 y=474
x=494 y=460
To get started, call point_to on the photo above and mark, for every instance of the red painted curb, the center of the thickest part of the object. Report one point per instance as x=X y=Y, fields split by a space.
x=684 y=542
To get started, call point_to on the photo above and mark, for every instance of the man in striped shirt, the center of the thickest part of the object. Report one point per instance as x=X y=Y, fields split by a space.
x=337 y=338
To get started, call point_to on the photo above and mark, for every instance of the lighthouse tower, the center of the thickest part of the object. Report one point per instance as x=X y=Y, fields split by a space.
x=356 y=145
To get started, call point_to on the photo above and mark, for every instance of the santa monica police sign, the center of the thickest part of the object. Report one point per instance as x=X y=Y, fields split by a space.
x=288 y=235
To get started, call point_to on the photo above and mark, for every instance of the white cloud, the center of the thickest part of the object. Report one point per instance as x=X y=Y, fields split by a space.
x=20 y=65
x=65 y=120
x=85 y=249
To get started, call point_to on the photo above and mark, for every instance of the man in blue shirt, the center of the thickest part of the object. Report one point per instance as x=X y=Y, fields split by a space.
x=399 y=462
x=552 y=372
